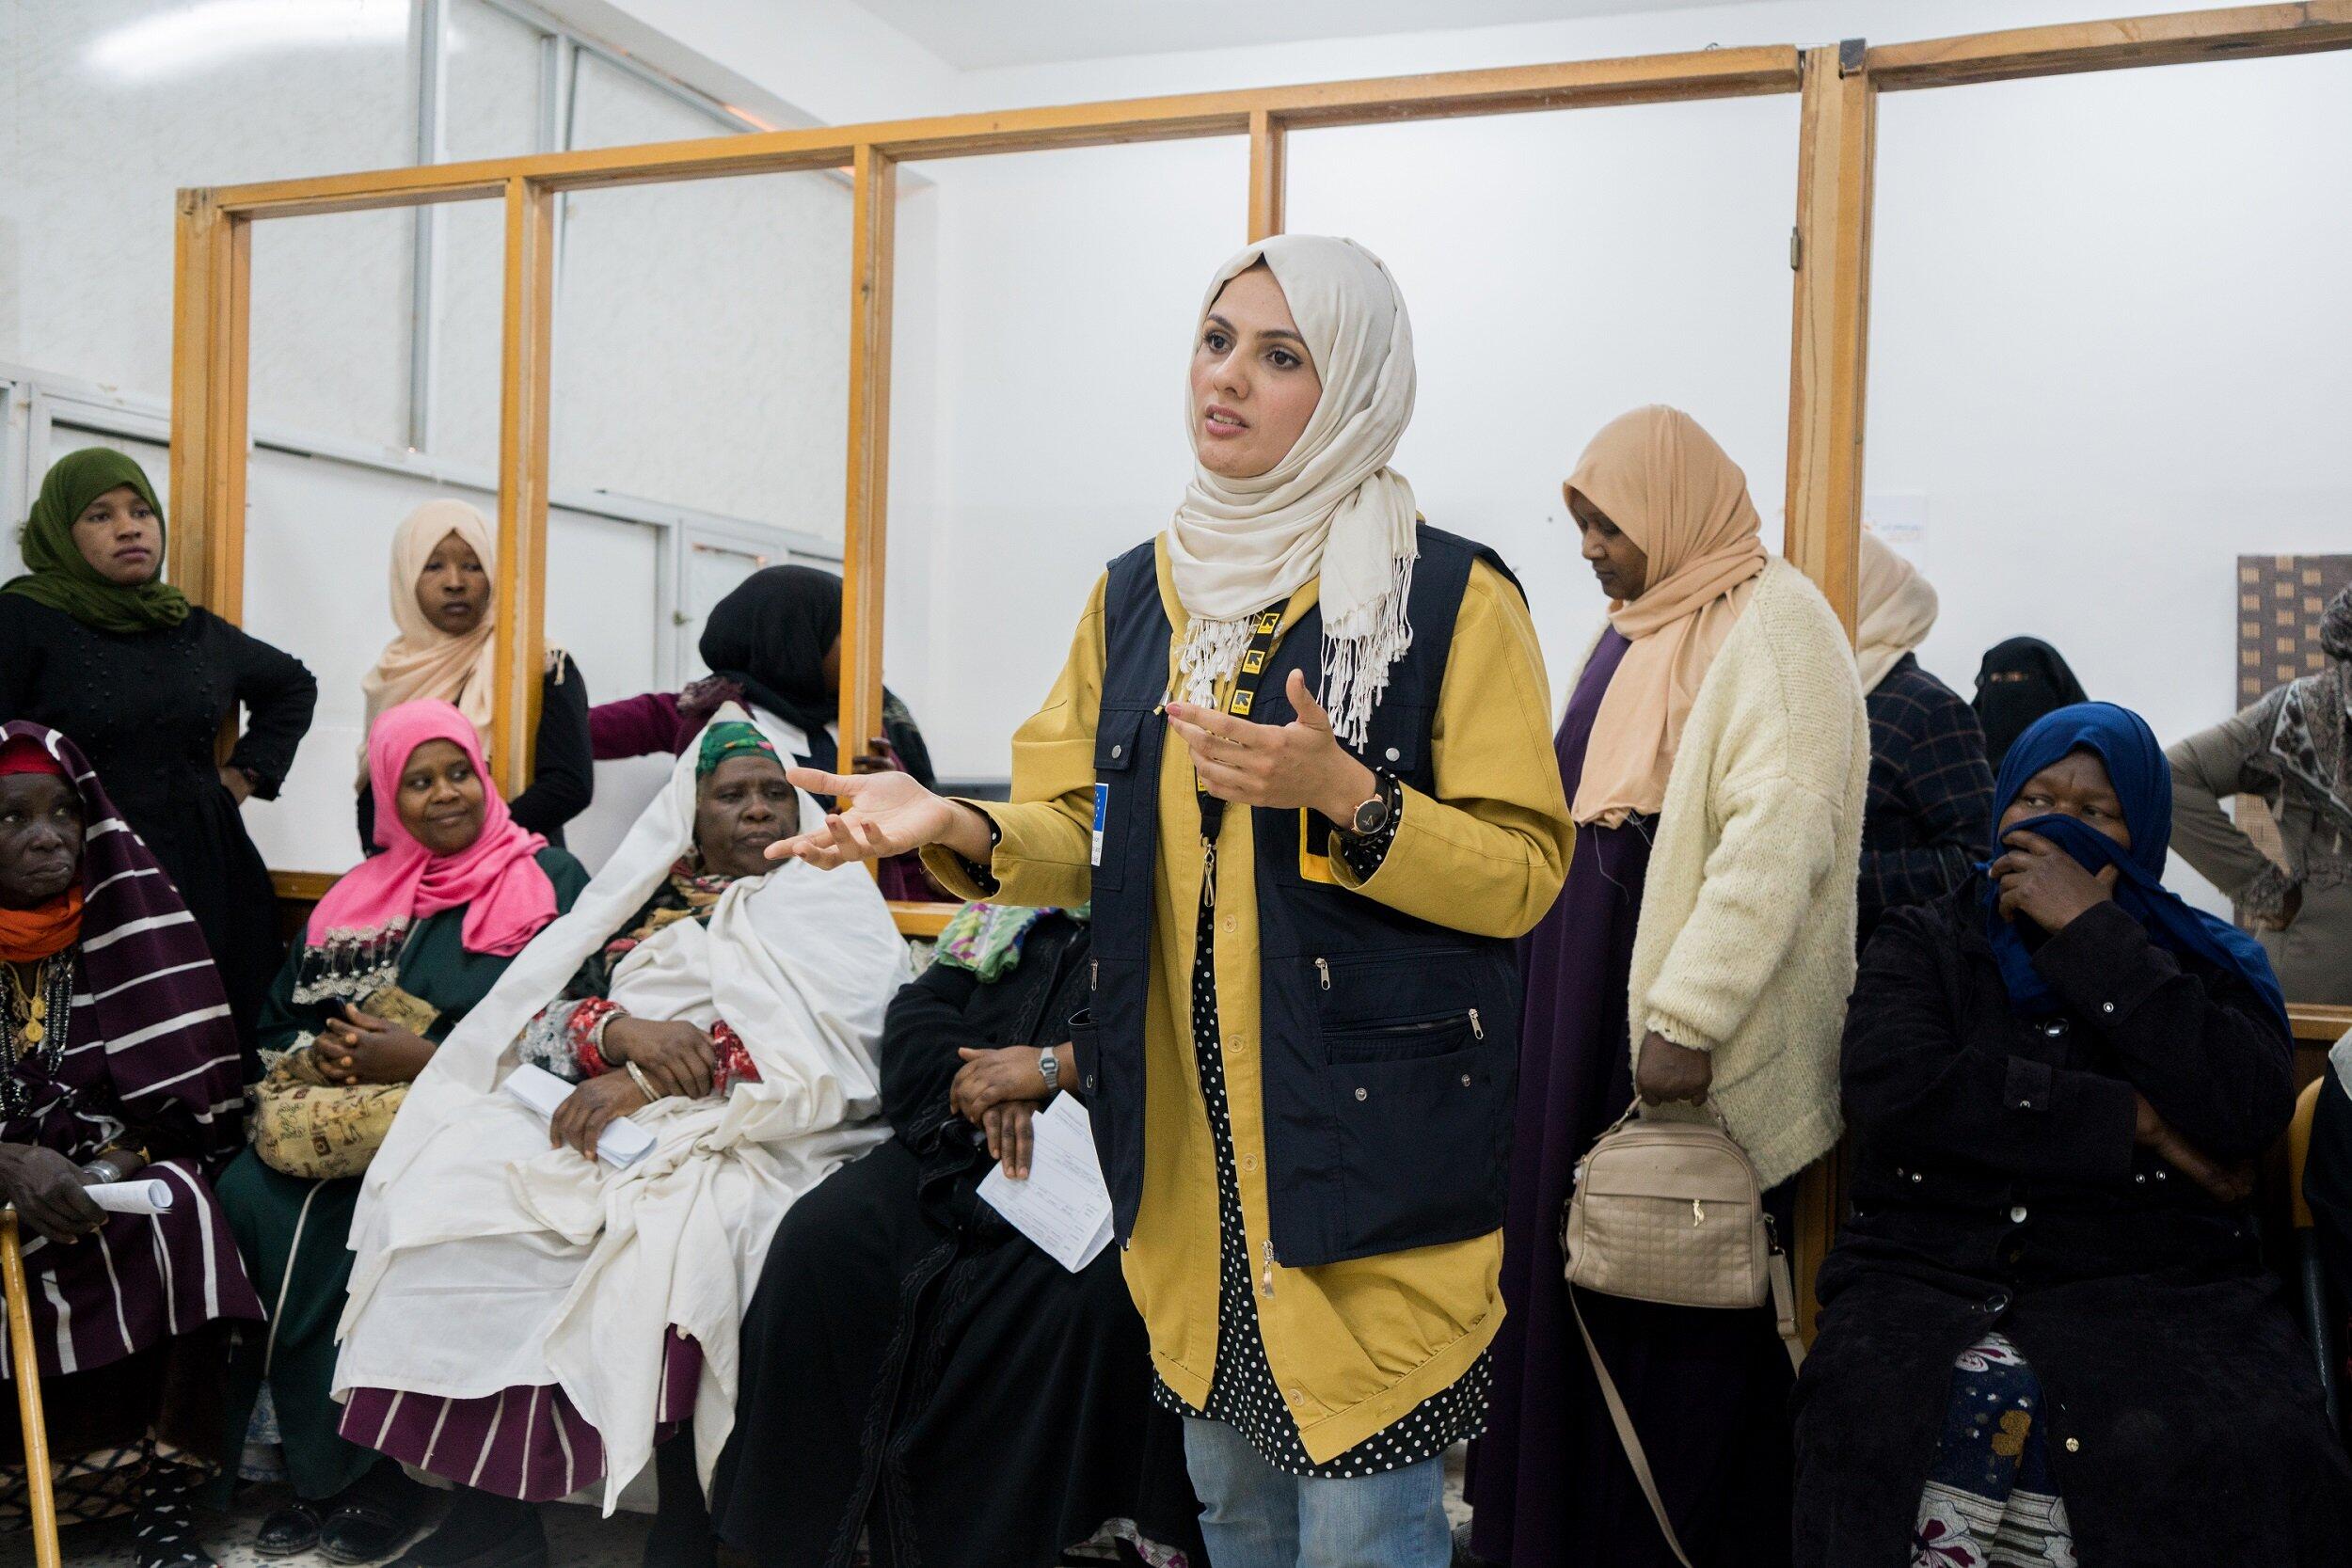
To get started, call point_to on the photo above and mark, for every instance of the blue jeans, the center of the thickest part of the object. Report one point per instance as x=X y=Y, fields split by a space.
x=1256 y=1516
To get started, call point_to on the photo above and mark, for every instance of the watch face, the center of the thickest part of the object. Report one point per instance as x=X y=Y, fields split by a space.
x=1371 y=816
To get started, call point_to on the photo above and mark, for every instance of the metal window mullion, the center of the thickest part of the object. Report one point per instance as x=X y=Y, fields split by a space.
x=424 y=265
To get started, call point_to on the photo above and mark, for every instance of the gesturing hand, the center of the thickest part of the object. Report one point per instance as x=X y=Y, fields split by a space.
x=361 y=1048
x=877 y=816
x=591 y=1108
x=1667 y=1073
x=675 y=1056
x=45 y=1187
x=2045 y=884
x=1284 y=767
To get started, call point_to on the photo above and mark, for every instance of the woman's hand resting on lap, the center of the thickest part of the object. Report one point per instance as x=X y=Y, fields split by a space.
x=2226 y=1183
x=361 y=1048
x=591 y=1108
x=45 y=1188
x=676 y=1058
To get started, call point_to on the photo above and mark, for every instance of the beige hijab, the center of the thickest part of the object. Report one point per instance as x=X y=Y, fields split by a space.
x=1332 y=509
x=424 y=661
x=1896 y=608
x=1664 y=482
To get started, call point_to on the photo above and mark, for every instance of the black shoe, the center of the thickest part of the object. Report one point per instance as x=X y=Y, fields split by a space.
x=292 y=1528
x=1463 y=1556
x=481 y=1532
x=681 y=1536
x=374 y=1516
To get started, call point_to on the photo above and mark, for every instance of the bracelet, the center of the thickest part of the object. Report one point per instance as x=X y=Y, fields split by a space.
x=102 y=1170
x=638 y=1078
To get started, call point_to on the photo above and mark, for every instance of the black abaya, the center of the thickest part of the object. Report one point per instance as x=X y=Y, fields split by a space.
x=147 y=709
x=914 y=1369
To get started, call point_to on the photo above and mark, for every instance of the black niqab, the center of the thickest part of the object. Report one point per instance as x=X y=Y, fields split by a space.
x=2007 y=709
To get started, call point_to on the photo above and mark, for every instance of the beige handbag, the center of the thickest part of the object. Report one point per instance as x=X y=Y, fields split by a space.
x=1671 y=1211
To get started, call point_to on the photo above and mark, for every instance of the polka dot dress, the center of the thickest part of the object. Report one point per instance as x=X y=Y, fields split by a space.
x=1242 y=1391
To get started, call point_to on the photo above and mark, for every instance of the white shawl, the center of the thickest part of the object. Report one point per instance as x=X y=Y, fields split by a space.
x=1331 y=508
x=486 y=1259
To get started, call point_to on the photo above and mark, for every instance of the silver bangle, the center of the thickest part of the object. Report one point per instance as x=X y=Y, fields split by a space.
x=102 y=1170
x=638 y=1078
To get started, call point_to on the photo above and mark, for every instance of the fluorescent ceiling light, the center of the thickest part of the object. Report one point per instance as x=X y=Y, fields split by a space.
x=209 y=32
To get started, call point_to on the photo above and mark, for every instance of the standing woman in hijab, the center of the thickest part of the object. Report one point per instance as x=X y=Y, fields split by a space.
x=773 y=644
x=444 y=599
x=1297 y=760
x=94 y=643
x=1716 y=752
x=2293 y=748
x=1930 y=820
x=2021 y=680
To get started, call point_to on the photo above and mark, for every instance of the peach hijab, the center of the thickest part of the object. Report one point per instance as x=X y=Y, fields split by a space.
x=424 y=663
x=1664 y=481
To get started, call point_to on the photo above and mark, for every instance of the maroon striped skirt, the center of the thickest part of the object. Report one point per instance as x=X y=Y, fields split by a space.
x=530 y=1443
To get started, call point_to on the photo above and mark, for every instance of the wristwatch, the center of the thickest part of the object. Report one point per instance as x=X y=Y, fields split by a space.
x=1374 y=814
x=1049 y=1068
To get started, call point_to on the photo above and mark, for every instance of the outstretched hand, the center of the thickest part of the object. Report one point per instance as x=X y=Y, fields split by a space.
x=1292 y=767
x=877 y=816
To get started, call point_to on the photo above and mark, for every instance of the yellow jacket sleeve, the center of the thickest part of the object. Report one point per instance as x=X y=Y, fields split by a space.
x=1488 y=852
x=1045 y=834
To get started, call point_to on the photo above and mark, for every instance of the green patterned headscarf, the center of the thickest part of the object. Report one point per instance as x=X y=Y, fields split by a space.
x=731 y=738
x=58 y=575
x=985 y=938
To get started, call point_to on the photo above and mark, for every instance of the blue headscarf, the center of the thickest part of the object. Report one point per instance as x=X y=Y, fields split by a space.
x=2143 y=782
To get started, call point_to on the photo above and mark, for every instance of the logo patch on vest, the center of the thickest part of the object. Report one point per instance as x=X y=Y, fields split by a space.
x=1102 y=812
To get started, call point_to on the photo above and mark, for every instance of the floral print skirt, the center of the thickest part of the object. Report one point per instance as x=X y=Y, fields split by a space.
x=1989 y=1501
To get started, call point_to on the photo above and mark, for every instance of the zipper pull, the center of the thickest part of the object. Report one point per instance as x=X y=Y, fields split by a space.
x=1477 y=1030
x=1094 y=975
x=1266 y=1287
x=1208 y=872
x=1323 y=970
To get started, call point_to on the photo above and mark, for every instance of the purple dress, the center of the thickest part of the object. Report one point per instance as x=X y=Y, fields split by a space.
x=1707 y=1389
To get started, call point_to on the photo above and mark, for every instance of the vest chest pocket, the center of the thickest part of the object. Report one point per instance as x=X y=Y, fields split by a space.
x=1119 y=737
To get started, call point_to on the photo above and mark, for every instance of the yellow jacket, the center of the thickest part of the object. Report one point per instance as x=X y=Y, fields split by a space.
x=1354 y=1345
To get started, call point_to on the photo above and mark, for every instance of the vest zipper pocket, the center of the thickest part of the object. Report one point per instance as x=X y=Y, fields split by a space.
x=1400 y=1042
x=1322 y=969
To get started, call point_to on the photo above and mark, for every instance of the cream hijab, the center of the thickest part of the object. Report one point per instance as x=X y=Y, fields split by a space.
x=424 y=661
x=1664 y=481
x=1332 y=508
x=1896 y=608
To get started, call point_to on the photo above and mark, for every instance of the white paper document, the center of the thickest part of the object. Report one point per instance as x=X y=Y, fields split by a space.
x=621 y=1145
x=1062 y=1205
x=131 y=1197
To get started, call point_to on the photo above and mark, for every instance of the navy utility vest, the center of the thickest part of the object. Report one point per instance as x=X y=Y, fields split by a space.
x=1389 y=1045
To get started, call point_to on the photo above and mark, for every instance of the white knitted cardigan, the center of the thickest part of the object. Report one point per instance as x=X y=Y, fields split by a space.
x=1745 y=945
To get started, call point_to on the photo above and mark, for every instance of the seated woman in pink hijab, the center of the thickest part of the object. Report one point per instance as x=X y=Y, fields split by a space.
x=401 y=949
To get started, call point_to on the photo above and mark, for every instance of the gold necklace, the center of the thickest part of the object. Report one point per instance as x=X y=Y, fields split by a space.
x=29 y=1004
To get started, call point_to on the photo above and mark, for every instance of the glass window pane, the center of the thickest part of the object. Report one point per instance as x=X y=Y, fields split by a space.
x=490 y=83
x=1038 y=424
x=1563 y=268
x=2103 y=367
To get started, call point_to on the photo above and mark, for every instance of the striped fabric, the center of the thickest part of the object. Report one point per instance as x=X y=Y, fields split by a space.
x=528 y=1443
x=148 y=1046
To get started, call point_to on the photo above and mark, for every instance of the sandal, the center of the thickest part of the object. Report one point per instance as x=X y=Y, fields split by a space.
x=291 y=1528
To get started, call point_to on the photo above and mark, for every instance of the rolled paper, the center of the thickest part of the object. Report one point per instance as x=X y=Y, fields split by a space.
x=131 y=1197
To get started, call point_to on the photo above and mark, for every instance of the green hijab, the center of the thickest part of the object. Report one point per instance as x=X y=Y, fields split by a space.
x=59 y=576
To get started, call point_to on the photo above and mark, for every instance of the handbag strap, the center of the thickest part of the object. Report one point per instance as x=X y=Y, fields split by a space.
x=1784 y=1314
